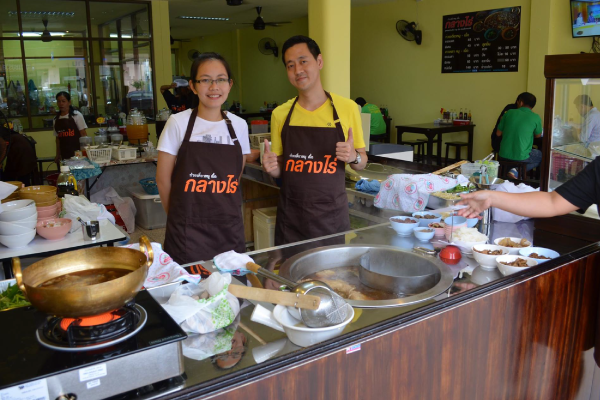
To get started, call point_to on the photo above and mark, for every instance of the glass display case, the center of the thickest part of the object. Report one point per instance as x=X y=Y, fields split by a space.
x=571 y=120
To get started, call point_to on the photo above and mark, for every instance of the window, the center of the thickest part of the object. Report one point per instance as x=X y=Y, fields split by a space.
x=99 y=52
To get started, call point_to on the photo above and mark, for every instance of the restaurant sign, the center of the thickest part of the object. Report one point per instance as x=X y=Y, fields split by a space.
x=482 y=41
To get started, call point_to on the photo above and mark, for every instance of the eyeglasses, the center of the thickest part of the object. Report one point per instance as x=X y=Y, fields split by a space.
x=209 y=82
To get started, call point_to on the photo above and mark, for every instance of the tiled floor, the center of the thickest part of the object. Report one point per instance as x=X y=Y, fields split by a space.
x=155 y=235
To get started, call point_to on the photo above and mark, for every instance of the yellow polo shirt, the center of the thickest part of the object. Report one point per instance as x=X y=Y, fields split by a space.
x=347 y=111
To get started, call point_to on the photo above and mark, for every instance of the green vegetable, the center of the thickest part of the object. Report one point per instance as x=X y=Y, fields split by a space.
x=458 y=189
x=12 y=297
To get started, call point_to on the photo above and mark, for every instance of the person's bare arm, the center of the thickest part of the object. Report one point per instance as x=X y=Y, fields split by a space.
x=167 y=87
x=164 y=172
x=243 y=165
x=363 y=160
x=83 y=132
x=498 y=132
x=532 y=204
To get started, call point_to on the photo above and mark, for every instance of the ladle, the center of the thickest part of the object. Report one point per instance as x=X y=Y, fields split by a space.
x=333 y=309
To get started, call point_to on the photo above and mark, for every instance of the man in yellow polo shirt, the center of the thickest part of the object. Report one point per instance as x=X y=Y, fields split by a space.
x=313 y=136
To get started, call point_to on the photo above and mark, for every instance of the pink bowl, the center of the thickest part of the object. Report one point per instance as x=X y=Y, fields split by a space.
x=437 y=231
x=49 y=212
x=58 y=206
x=52 y=207
x=53 y=216
x=48 y=229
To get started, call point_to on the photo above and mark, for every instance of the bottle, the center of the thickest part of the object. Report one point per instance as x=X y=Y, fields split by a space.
x=469 y=116
x=460 y=114
x=66 y=183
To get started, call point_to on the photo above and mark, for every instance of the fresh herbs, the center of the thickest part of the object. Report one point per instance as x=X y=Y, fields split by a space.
x=458 y=189
x=12 y=297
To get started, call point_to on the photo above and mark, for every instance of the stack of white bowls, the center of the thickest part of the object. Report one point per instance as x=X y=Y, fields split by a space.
x=17 y=223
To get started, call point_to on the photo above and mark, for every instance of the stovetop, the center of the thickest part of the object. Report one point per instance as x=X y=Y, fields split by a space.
x=23 y=359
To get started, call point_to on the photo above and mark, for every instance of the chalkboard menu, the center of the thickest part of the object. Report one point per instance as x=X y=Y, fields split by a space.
x=483 y=41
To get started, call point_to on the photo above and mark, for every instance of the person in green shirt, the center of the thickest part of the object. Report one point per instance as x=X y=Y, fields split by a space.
x=518 y=127
x=377 y=122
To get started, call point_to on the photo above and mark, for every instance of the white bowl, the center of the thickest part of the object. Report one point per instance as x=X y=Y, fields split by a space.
x=11 y=206
x=507 y=269
x=29 y=223
x=17 y=214
x=423 y=222
x=404 y=229
x=481 y=276
x=512 y=250
x=422 y=235
x=303 y=336
x=8 y=228
x=16 y=241
x=485 y=260
x=540 y=251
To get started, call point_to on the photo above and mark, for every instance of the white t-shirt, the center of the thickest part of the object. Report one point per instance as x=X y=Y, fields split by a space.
x=204 y=131
x=78 y=120
x=591 y=126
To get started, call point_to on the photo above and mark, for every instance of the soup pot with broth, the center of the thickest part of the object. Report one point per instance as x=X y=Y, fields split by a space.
x=85 y=282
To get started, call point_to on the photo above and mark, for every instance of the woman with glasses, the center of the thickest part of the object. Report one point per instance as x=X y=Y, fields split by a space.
x=202 y=152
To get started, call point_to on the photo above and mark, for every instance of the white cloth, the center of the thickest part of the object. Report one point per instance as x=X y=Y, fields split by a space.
x=410 y=193
x=232 y=262
x=163 y=269
x=203 y=131
x=78 y=120
x=509 y=187
x=590 y=131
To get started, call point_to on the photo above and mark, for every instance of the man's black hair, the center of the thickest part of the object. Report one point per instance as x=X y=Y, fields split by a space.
x=528 y=99
x=313 y=47
x=360 y=101
x=584 y=99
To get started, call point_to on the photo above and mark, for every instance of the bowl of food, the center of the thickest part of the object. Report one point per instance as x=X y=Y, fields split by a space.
x=454 y=223
x=512 y=244
x=17 y=241
x=510 y=264
x=423 y=233
x=438 y=228
x=540 y=254
x=9 y=228
x=425 y=218
x=303 y=336
x=486 y=254
x=465 y=238
x=54 y=229
x=404 y=225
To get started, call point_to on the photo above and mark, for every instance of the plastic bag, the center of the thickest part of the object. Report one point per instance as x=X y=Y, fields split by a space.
x=79 y=206
x=124 y=205
x=200 y=347
x=509 y=187
x=202 y=315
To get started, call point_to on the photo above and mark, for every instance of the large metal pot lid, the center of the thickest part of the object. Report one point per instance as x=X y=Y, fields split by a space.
x=372 y=171
x=312 y=261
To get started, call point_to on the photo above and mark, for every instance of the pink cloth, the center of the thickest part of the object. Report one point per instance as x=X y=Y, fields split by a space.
x=410 y=193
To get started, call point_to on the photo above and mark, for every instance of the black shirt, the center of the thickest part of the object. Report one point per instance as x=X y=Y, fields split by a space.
x=583 y=190
x=177 y=104
x=496 y=140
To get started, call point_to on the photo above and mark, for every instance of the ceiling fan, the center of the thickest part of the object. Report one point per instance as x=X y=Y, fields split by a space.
x=259 y=23
x=46 y=37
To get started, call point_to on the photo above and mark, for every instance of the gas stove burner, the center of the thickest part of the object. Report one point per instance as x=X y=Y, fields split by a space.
x=68 y=334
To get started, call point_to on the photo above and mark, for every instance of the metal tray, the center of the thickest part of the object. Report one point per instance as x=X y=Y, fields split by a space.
x=373 y=171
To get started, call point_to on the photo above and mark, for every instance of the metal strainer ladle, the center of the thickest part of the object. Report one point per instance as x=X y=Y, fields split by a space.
x=332 y=310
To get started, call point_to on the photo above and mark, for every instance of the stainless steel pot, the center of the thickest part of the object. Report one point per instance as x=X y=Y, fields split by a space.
x=425 y=276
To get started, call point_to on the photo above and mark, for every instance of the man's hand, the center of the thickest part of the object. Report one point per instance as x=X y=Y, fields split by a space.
x=344 y=151
x=269 y=161
x=476 y=203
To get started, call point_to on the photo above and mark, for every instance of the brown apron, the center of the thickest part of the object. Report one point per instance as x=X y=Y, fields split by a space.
x=205 y=204
x=68 y=136
x=313 y=200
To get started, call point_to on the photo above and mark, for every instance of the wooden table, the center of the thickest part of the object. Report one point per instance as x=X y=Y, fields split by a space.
x=430 y=131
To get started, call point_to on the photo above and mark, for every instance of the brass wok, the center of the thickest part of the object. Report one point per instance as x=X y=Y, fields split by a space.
x=87 y=300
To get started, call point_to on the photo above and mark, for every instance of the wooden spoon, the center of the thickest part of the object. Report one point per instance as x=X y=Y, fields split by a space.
x=306 y=301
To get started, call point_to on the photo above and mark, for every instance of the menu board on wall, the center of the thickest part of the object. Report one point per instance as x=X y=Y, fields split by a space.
x=483 y=41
